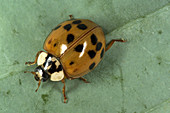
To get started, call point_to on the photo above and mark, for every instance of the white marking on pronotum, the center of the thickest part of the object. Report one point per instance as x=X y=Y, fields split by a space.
x=47 y=63
x=84 y=47
x=63 y=48
x=41 y=58
x=57 y=76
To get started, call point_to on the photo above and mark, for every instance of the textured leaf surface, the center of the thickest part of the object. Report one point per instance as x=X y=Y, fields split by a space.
x=134 y=77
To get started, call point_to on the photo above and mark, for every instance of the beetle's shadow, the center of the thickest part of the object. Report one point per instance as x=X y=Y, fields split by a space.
x=108 y=65
x=98 y=75
x=70 y=85
x=73 y=86
x=112 y=58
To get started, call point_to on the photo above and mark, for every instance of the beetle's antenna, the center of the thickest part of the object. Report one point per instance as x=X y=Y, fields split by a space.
x=30 y=72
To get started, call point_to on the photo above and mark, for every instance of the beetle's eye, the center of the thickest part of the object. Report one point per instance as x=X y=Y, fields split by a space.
x=36 y=78
x=45 y=77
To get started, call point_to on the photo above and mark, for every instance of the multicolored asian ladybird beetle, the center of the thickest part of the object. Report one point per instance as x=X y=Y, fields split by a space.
x=74 y=48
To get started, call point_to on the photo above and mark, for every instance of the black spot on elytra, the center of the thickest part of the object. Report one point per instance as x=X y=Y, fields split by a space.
x=102 y=53
x=91 y=53
x=71 y=63
x=67 y=27
x=70 y=38
x=92 y=66
x=55 y=44
x=93 y=39
x=82 y=26
x=98 y=46
x=76 y=22
x=57 y=27
x=79 y=48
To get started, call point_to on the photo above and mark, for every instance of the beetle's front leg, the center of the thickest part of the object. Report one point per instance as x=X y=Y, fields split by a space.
x=32 y=63
x=84 y=80
x=81 y=78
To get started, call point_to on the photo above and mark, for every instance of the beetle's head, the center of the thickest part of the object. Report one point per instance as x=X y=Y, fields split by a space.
x=40 y=74
x=49 y=67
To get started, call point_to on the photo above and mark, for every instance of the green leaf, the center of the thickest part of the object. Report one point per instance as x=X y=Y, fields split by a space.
x=133 y=77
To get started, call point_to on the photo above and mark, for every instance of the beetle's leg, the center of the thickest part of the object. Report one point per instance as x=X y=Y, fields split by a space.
x=32 y=63
x=71 y=17
x=112 y=41
x=39 y=82
x=65 y=98
x=83 y=79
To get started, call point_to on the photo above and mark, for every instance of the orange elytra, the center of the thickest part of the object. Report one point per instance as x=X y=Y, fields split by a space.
x=73 y=49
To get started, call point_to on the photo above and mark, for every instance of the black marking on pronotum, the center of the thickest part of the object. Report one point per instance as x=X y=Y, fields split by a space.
x=59 y=68
x=82 y=26
x=70 y=38
x=93 y=39
x=67 y=27
x=71 y=63
x=79 y=48
x=49 y=55
x=98 y=46
x=92 y=66
x=76 y=22
x=102 y=53
x=91 y=53
x=52 y=68
x=57 y=27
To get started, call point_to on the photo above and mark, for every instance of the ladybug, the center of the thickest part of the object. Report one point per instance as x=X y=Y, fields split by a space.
x=73 y=49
